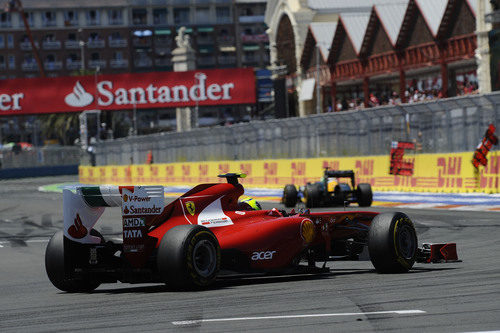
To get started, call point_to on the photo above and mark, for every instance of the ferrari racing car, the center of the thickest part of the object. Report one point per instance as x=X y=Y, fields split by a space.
x=188 y=243
x=330 y=191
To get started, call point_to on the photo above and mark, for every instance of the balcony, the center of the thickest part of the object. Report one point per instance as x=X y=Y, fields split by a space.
x=26 y=46
x=96 y=44
x=29 y=66
x=49 y=23
x=163 y=41
x=51 y=45
x=118 y=63
x=162 y=51
x=5 y=24
x=117 y=43
x=252 y=19
x=250 y=59
x=204 y=40
x=227 y=60
x=226 y=40
x=93 y=21
x=163 y=62
x=141 y=63
x=206 y=61
x=141 y=42
x=72 y=44
x=97 y=63
x=255 y=38
x=224 y=20
x=52 y=65
x=116 y=21
x=73 y=65
x=3 y=66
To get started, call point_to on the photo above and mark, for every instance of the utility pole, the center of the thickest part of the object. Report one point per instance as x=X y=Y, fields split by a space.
x=318 y=88
x=16 y=6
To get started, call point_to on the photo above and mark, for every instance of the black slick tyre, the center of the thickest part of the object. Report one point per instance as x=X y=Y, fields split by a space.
x=392 y=243
x=290 y=195
x=188 y=257
x=55 y=267
x=313 y=195
x=364 y=194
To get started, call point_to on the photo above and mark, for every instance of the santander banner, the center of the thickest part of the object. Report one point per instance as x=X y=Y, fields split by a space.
x=126 y=91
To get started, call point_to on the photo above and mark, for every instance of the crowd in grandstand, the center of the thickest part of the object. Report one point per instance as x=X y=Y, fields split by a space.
x=412 y=95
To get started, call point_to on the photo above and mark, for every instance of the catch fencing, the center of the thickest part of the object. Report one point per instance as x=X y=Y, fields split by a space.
x=39 y=157
x=446 y=125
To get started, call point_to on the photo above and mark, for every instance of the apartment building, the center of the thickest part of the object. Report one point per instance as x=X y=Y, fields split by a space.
x=117 y=36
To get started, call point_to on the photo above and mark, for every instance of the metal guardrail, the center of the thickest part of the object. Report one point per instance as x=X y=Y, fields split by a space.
x=446 y=125
x=38 y=157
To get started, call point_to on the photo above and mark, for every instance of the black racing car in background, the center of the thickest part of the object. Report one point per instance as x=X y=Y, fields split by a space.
x=329 y=191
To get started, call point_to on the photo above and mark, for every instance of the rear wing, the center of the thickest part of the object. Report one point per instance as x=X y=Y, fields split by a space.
x=82 y=210
x=340 y=174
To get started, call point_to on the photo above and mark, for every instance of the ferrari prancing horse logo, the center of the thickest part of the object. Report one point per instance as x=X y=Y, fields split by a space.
x=190 y=207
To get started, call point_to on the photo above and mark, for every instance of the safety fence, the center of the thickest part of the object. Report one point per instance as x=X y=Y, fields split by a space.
x=446 y=125
x=440 y=172
x=39 y=157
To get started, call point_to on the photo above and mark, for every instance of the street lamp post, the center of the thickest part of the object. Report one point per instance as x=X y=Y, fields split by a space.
x=318 y=97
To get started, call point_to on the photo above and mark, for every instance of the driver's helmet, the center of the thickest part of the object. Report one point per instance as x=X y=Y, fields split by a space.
x=250 y=204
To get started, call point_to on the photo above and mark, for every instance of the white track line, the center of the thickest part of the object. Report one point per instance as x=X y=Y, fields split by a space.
x=199 y=321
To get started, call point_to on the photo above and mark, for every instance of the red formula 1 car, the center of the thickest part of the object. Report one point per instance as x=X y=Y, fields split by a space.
x=206 y=231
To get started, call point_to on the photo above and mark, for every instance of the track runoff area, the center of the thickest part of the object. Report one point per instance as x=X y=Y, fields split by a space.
x=455 y=297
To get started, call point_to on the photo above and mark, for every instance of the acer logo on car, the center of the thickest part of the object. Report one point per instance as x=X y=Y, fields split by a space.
x=264 y=255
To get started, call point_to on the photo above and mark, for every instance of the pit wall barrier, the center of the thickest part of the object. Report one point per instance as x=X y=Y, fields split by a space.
x=449 y=173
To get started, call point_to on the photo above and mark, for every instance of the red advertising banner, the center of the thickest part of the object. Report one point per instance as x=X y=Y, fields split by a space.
x=399 y=166
x=123 y=91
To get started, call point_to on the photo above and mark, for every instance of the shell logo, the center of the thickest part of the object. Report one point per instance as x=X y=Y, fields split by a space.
x=307 y=231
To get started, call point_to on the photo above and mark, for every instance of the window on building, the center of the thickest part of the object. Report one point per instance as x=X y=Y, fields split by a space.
x=49 y=19
x=95 y=56
x=50 y=58
x=70 y=17
x=223 y=15
x=139 y=16
x=49 y=38
x=116 y=36
x=94 y=36
x=2 y=42
x=72 y=36
x=115 y=16
x=181 y=15
x=12 y=61
x=5 y=20
x=2 y=61
x=160 y=16
x=93 y=17
x=72 y=57
x=10 y=41
x=118 y=55
x=29 y=58
x=202 y=15
x=30 y=18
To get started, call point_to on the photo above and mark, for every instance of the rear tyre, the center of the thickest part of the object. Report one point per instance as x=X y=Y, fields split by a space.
x=55 y=267
x=188 y=257
x=392 y=243
x=290 y=195
x=364 y=194
x=313 y=195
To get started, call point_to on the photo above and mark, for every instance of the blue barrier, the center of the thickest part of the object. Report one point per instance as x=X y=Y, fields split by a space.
x=58 y=170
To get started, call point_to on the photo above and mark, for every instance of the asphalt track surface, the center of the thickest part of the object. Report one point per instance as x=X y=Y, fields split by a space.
x=454 y=297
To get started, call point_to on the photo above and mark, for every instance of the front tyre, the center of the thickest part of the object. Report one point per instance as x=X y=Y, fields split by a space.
x=55 y=267
x=188 y=257
x=392 y=243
